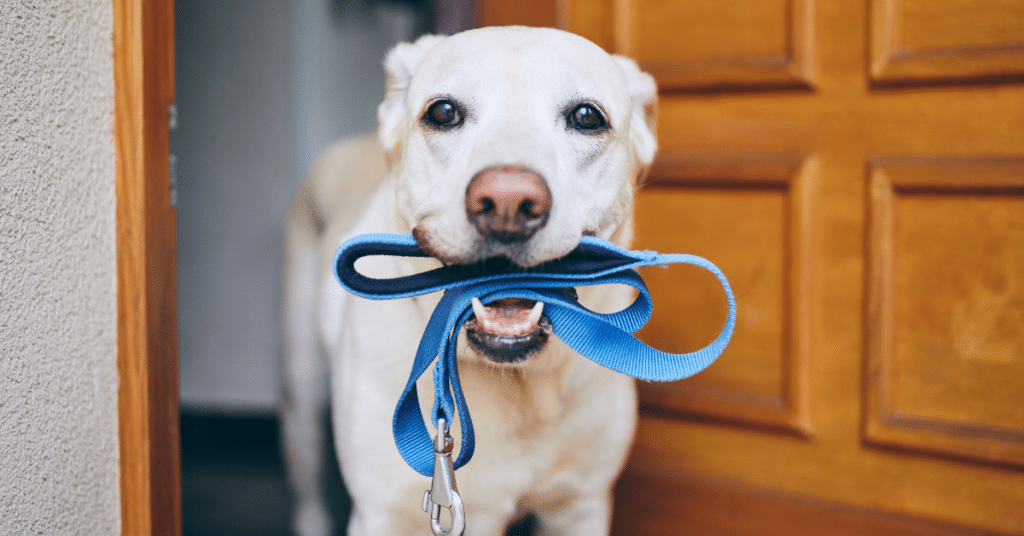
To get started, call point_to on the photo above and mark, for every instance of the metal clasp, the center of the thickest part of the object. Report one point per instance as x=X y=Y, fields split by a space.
x=442 y=490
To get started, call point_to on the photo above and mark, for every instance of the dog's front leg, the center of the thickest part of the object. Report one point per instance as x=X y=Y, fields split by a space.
x=303 y=377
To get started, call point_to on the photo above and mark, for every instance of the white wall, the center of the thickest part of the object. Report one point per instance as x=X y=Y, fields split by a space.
x=262 y=89
x=58 y=325
x=234 y=166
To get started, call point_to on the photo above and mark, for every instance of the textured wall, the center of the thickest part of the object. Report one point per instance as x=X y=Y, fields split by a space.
x=58 y=326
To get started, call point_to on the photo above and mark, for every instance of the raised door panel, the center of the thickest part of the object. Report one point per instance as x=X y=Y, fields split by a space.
x=924 y=41
x=946 y=316
x=703 y=44
x=692 y=204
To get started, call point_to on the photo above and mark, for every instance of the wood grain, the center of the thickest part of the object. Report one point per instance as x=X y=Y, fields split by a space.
x=728 y=508
x=146 y=268
x=522 y=13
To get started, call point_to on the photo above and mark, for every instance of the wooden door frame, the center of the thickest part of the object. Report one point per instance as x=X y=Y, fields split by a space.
x=147 y=333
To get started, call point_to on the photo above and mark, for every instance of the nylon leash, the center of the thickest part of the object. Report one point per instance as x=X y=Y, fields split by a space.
x=603 y=338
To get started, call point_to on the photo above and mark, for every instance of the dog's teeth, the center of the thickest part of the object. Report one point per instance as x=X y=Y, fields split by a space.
x=479 y=310
x=535 y=313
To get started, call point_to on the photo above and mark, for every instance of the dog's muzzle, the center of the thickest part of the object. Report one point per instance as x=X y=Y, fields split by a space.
x=508 y=205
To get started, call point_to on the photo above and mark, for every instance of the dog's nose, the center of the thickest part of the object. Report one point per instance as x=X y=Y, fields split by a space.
x=508 y=203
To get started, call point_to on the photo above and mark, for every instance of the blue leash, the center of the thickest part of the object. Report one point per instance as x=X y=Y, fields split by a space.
x=605 y=339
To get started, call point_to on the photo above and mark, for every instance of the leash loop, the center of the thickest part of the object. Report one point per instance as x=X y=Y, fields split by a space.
x=605 y=339
x=443 y=491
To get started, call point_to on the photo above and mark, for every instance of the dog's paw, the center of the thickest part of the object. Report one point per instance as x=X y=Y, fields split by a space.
x=312 y=519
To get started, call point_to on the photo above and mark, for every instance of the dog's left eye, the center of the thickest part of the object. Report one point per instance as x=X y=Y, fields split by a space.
x=443 y=114
x=586 y=117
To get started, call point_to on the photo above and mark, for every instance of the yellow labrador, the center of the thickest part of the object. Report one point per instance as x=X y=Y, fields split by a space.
x=511 y=142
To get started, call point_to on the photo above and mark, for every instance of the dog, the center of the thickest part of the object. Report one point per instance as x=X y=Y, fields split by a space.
x=496 y=142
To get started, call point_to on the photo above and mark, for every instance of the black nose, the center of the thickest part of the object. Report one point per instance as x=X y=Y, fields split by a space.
x=508 y=203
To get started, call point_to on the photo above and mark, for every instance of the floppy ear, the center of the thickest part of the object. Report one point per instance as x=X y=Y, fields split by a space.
x=400 y=65
x=642 y=124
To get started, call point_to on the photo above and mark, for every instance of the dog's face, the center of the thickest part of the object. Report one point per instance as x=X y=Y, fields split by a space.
x=514 y=142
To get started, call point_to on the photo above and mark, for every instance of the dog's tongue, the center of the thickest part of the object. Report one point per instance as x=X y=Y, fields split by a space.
x=509 y=317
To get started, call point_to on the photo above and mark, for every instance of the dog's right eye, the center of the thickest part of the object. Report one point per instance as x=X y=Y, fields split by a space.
x=443 y=114
x=586 y=118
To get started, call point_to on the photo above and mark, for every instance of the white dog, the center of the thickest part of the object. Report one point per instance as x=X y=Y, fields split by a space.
x=510 y=142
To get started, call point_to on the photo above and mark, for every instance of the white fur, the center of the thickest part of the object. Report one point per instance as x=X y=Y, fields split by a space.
x=552 y=434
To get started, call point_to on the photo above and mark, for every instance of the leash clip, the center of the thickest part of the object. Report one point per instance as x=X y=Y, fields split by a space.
x=443 y=491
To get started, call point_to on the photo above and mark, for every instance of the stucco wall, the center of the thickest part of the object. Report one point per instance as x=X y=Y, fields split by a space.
x=58 y=326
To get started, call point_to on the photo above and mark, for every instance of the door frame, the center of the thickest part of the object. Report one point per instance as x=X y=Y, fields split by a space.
x=147 y=333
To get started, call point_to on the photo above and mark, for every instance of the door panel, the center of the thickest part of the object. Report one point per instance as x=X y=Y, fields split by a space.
x=952 y=24
x=946 y=320
x=923 y=41
x=855 y=168
x=762 y=382
x=717 y=43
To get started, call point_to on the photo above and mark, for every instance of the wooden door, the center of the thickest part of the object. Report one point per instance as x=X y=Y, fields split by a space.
x=856 y=168
x=147 y=303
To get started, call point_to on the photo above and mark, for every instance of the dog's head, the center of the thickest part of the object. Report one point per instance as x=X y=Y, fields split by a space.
x=514 y=142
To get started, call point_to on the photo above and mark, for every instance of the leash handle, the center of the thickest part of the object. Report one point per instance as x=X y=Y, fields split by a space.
x=592 y=258
x=603 y=338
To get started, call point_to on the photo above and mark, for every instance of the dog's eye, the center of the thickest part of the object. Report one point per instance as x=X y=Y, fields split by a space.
x=443 y=114
x=586 y=117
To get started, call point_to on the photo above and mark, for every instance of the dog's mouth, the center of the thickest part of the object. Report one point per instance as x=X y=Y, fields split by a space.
x=508 y=331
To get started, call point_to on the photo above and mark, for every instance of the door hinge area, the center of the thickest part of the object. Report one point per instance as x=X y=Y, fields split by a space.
x=172 y=126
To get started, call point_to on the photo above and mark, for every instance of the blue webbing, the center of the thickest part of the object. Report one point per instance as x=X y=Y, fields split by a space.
x=605 y=339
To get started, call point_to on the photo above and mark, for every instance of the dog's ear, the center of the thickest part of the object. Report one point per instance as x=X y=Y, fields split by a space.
x=400 y=65
x=642 y=124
